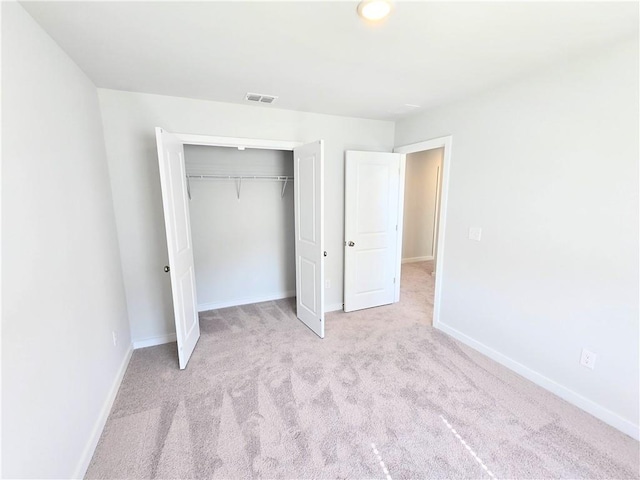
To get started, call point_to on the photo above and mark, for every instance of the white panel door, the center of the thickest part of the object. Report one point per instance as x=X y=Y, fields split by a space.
x=372 y=181
x=309 y=222
x=176 y=219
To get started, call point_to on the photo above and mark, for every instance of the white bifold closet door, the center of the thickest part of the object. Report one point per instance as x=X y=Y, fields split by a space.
x=309 y=230
x=175 y=200
x=372 y=181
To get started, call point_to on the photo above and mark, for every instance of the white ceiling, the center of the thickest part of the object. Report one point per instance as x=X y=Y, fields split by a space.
x=319 y=56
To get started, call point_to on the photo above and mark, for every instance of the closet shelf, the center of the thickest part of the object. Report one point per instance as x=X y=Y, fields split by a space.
x=281 y=178
x=239 y=178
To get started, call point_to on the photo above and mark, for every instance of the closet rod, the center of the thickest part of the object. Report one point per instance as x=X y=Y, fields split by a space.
x=281 y=178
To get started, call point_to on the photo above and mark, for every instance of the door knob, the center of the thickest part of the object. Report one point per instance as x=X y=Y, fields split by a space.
x=351 y=244
x=166 y=268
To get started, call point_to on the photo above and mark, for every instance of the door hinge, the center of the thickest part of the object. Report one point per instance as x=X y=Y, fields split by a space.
x=396 y=228
x=394 y=279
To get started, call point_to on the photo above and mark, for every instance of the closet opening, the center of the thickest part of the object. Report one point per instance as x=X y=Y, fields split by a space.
x=241 y=207
x=263 y=271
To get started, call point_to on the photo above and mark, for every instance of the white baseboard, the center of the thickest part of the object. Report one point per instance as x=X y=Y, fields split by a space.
x=563 y=392
x=203 y=307
x=153 y=341
x=334 y=307
x=90 y=448
x=417 y=259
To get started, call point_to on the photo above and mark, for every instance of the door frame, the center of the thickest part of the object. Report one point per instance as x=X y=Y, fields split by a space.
x=214 y=141
x=262 y=144
x=439 y=142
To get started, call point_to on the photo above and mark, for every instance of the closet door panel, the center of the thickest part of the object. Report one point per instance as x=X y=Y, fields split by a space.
x=179 y=245
x=308 y=296
x=309 y=217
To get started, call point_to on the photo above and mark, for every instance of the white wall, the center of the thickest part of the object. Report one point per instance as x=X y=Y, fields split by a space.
x=548 y=167
x=62 y=283
x=244 y=249
x=420 y=195
x=129 y=120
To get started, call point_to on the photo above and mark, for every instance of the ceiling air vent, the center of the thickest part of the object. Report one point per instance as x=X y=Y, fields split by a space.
x=258 y=97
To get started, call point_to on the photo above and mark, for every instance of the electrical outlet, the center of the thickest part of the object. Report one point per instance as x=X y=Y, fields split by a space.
x=114 y=335
x=588 y=359
x=475 y=233
x=327 y=284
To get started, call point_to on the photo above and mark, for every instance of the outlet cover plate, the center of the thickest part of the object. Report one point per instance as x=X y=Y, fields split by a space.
x=588 y=359
x=475 y=233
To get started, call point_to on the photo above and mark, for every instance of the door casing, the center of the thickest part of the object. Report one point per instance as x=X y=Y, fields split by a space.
x=446 y=144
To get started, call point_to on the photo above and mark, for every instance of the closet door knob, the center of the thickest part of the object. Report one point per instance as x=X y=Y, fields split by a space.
x=351 y=244
x=166 y=268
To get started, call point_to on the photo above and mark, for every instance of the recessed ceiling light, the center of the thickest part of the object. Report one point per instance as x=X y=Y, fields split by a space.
x=374 y=10
x=411 y=105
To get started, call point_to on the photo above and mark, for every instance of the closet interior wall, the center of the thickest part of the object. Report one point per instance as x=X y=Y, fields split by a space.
x=242 y=230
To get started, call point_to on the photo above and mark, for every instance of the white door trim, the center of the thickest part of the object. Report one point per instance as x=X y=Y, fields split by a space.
x=439 y=142
x=214 y=141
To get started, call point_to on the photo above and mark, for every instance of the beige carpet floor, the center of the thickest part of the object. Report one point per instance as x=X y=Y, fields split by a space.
x=384 y=395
